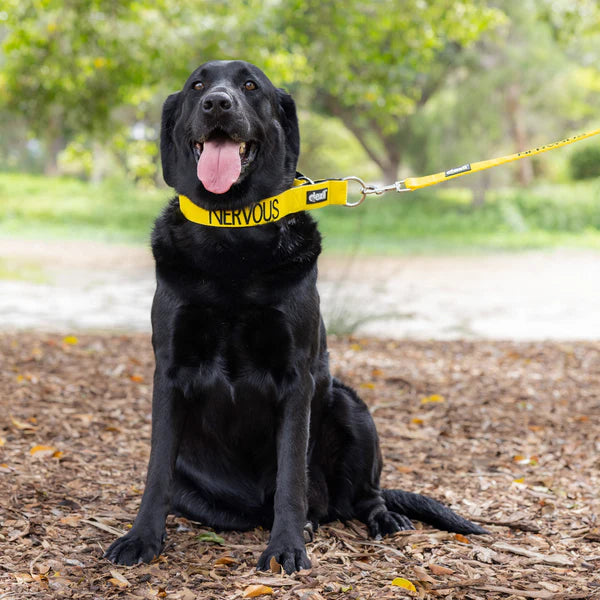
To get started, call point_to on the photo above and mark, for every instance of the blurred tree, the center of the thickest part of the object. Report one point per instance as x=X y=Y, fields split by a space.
x=523 y=86
x=397 y=75
x=68 y=66
x=374 y=64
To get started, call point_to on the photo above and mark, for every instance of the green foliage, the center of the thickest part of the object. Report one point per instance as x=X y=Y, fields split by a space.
x=90 y=65
x=585 y=162
x=421 y=84
x=520 y=89
x=385 y=64
x=330 y=150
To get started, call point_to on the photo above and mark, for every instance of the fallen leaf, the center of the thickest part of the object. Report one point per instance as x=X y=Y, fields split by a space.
x=253 y=591
x=2 y=441
x=439 y=570
x=210 y=536
x=416 y=421
x=434 y=398
x=459 y=537
x=137 y=378
x=22 y=424
x=275 y=566
x=118 y=579
x=71 y=520
x=43 y=451
x=404 y=583
x=226 y=560
x=367 y=385
x=71 y=340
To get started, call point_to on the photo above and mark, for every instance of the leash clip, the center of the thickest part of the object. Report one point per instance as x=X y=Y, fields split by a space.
x=365 y=189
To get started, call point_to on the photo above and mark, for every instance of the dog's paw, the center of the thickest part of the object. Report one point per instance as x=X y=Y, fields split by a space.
x=291 y=557
x=385 y=522
x=132 y=549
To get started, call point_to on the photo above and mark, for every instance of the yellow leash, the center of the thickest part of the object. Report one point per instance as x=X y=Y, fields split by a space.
x=416 y=183
x=309 y=195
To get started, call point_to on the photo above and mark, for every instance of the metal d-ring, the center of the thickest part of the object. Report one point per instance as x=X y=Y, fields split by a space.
x=364 y=190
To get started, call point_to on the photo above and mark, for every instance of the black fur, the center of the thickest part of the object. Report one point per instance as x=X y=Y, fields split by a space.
x=248 y=427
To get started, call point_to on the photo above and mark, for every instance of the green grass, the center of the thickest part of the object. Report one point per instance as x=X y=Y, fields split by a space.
x=43 y=207
x=435 y=220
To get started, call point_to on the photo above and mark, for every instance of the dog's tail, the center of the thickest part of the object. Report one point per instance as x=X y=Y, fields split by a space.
x=428 y=510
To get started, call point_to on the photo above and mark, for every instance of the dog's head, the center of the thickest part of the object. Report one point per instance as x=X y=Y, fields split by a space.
x=229 y=137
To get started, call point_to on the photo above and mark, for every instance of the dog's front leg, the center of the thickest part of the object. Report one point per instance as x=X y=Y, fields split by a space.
x=286 y=543
x=145 y=539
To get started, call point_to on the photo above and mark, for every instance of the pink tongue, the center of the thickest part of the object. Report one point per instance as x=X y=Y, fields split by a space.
x=219 y=165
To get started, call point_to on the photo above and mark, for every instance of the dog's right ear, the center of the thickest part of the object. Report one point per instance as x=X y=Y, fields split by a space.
x=168 y=150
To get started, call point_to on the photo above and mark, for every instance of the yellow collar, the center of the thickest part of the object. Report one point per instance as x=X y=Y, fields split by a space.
x=303 y=196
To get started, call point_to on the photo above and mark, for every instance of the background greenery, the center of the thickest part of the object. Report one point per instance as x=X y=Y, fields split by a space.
x=385 y=89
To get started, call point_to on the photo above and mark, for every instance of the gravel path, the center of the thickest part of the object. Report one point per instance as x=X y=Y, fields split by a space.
x=524 y=296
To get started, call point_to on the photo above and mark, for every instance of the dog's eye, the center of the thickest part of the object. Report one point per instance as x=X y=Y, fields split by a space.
x=198 y=86
x=250 y=85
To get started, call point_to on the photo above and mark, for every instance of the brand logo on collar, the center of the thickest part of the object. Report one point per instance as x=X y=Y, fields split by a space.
x=316 y=196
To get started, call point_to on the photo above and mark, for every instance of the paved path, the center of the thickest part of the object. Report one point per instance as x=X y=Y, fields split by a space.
x=71 y=286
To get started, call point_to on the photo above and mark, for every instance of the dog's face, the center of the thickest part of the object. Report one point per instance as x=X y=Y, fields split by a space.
x=229 y=138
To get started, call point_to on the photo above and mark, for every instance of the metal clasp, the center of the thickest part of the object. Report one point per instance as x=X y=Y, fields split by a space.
x=365 y=189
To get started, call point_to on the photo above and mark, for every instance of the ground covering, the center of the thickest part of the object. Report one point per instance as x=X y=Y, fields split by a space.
x=505 y=433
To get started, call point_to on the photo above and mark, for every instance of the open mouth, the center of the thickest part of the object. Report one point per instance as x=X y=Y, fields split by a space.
x=246 y=150
x=221 y=160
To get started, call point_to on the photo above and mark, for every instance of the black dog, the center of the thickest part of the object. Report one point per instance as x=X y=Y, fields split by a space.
x=248 y=427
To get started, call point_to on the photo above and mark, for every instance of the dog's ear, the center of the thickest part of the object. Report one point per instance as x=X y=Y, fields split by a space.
x=289 y=120
x=168 y=151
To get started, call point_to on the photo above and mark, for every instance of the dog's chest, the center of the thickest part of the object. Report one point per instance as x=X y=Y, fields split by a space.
x=218 y=350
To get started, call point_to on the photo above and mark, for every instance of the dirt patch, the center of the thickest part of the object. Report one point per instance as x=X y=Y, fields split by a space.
x=505 y=433
x=90 y=286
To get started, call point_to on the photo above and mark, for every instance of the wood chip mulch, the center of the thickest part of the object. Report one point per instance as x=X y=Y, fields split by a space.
x=508 y=434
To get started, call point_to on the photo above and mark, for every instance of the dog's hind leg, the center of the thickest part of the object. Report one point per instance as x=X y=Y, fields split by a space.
x=351 y=459
x=359 y=464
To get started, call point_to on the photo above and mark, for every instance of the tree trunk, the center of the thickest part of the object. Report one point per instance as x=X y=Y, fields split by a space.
x=390 y=171
x=54 y=143
x=518 y=133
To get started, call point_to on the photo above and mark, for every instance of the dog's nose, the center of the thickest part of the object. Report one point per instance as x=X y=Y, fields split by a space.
x=217 y=102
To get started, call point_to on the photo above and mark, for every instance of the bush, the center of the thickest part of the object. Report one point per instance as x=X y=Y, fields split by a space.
x=585 y=163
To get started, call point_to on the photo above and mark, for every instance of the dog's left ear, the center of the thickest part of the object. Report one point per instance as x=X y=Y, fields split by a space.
x=167 y=144
x=289 y=120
